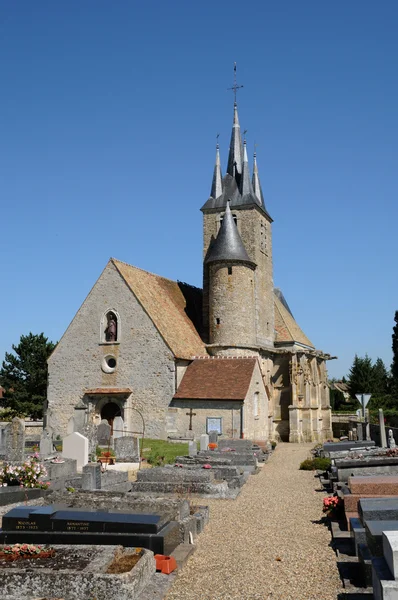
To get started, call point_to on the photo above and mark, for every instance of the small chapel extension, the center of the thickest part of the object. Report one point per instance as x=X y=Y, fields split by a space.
x=230 y=357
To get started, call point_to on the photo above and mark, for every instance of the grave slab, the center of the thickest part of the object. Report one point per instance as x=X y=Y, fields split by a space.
x=68 y=583
x=374 y=534
x=384 y=585
x=175 y=474
x=390 y=551
x=61 y=525
x=378 y=509
x=374 y=485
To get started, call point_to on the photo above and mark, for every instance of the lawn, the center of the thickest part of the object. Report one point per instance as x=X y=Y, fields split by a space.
x=159 y=452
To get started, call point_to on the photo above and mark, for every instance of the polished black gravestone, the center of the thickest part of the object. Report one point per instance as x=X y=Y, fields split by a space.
x=57 y=524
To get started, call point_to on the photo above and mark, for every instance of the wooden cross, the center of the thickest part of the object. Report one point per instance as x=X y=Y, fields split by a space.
x=190 y=415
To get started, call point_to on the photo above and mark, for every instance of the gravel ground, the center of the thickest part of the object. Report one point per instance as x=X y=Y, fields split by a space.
x=266 y=544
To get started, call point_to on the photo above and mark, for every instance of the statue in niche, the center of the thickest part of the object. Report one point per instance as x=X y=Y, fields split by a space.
x=391 y=441
x=111 y=328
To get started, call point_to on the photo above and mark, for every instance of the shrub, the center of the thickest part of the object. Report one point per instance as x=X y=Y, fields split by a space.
x=315 y=464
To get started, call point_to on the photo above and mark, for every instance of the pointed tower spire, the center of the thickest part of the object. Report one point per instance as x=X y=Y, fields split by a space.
x=245 y=183
x=256 y=182
x=235 y=148
x=228 y=245
x=216 y=186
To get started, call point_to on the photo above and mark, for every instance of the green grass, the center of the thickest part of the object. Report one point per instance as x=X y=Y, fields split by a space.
x=161 y=452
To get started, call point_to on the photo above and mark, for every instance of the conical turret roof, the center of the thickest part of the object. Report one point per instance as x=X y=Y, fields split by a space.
x=256 y=181
x=228 y=245
x=235 y=148
x=216 y=186
x=237 y=187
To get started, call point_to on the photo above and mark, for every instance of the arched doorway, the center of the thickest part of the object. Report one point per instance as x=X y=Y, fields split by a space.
x=109 y=412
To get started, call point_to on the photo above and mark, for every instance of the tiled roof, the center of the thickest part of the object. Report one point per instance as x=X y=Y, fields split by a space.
x=217 y=379
x=165 y=304
x=286 y=327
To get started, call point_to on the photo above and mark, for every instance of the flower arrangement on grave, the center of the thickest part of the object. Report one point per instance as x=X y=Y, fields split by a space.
x=332 y=505
x=27 y=475
x=25 y=551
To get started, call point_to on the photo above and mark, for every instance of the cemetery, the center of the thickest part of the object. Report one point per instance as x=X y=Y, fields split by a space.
x=68 y=516
x=75 y=526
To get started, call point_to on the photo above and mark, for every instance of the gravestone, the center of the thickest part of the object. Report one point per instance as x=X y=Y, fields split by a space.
x=75 y=446
x=127 y=449
x=204 y=442
x=80 y=417
x=104 y=433
x=213 y=437
x=56 y=524
x=92 y=476
x=118 y=427
x=192 y=448
x=15 y=440
x=46 y=443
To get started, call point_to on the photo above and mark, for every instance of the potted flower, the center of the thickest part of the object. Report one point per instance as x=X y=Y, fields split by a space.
x=333 y=506
x=107 y=457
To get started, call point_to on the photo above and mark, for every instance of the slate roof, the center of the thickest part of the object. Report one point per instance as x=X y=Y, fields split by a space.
x=166 y=305
x=216 y=379
x=286 y=327
x=228 y=245
x=236 y=186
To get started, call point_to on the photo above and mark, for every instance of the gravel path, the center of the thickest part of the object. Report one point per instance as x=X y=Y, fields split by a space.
x=266 y=544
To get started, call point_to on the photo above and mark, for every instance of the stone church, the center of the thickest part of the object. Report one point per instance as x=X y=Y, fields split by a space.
x=178 y=361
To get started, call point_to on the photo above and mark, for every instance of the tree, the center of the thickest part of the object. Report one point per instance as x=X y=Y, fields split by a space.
x=361 y=376
x=380 y=382
x=394 y=364
x=24 y=375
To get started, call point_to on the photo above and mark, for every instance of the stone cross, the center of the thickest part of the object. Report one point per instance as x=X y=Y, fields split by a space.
x=190 y=415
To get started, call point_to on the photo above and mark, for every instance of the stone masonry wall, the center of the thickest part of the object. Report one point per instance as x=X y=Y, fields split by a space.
x=144 y=362
x=256 y=234
x=232 y=313
x=254 y=427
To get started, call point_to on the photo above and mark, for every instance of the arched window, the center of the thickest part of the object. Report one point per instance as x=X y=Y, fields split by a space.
x=110 y=327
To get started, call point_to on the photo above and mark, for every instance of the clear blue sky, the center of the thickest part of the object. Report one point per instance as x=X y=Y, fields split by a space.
x=109 y=112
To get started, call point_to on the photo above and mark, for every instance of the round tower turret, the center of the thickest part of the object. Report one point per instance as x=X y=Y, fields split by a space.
x=231 y=288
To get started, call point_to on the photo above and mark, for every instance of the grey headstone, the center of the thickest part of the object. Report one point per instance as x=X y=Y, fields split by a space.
x=204 y=442
x=80 y=418
x=15 y=440
x=103 y=433
x=46 y=442
x=236 y=444
x=94 y=481
x=213 y=437
x=127 y=449
x=118 y=427
x=192 y=448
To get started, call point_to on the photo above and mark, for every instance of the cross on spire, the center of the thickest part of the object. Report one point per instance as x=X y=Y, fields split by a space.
x=235 y=87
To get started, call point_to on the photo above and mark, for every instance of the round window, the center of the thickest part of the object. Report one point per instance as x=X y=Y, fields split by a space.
x=108 y=364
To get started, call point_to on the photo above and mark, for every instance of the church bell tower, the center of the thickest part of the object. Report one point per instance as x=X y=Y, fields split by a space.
x=237 y=253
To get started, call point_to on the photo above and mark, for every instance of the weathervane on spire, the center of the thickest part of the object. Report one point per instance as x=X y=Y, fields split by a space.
x=235 y=87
